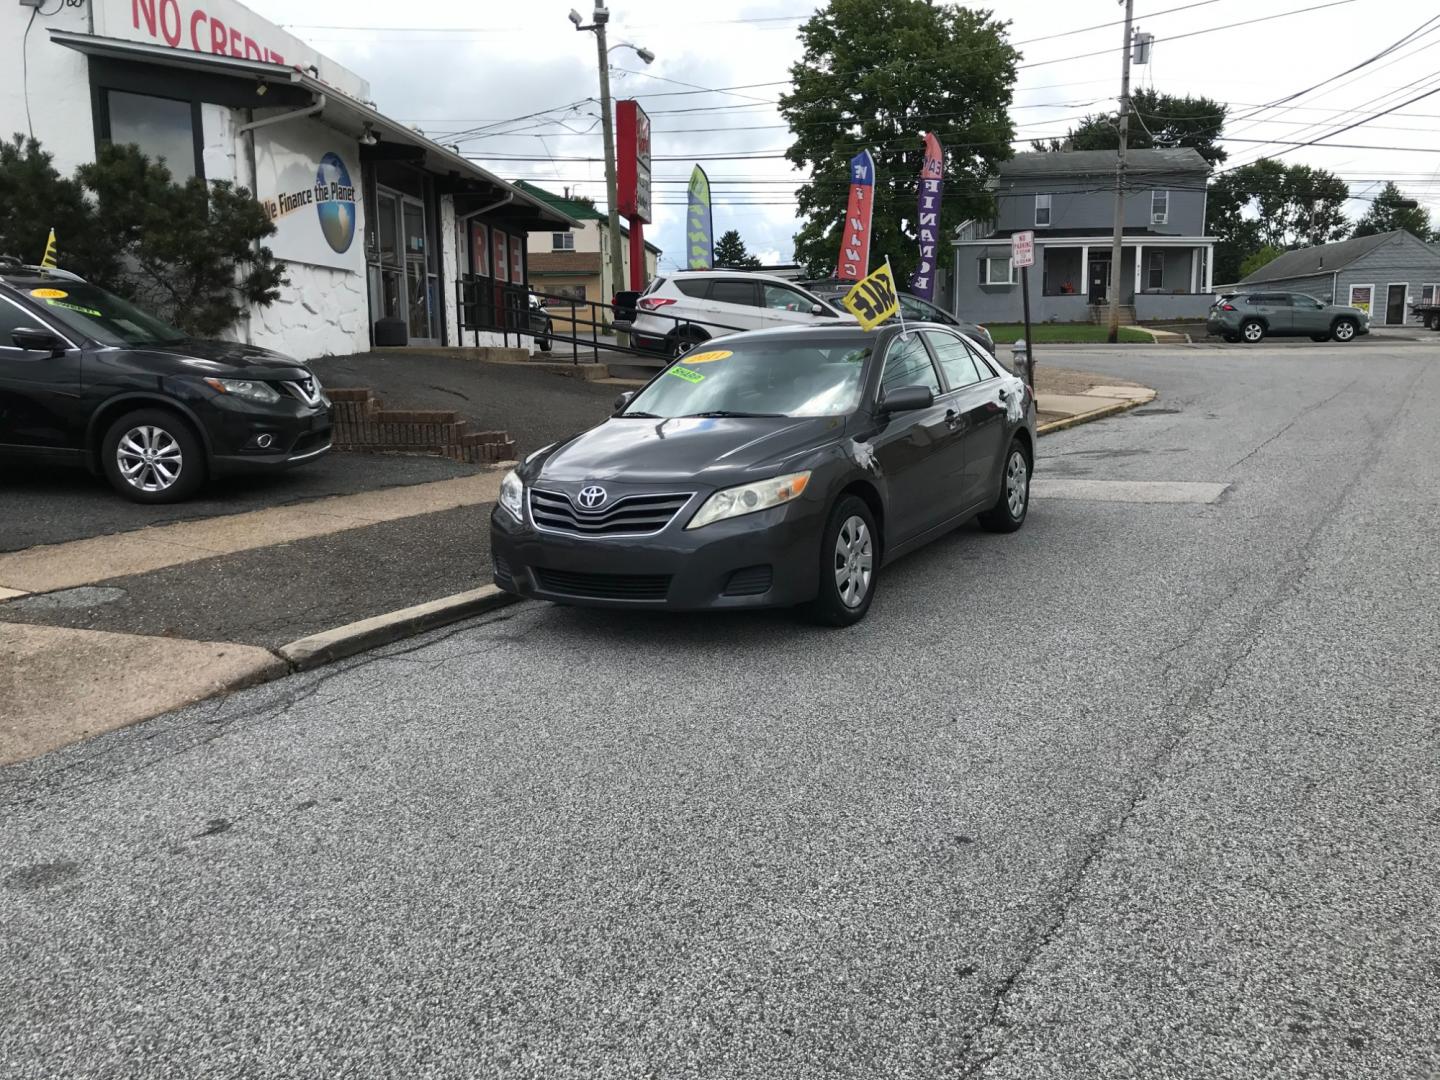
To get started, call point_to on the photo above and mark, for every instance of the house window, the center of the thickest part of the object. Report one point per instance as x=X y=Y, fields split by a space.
x=1159 y=207
x=163 y=128
x=562 y=241
x=1042 y=210
x=1361 y=297
x=997 y=271
x=1155 y=270
x=1428 y=293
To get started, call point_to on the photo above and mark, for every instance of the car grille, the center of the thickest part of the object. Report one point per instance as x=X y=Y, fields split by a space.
x=604 y=586
x=307 y=390
x=629 y=515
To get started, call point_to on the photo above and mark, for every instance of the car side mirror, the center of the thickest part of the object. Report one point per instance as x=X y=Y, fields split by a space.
x=37 y=340
x=821 y=309
x=907 y=399
x=623 y=400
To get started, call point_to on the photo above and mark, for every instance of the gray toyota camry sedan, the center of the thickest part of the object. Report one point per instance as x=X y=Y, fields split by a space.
x=775 y=468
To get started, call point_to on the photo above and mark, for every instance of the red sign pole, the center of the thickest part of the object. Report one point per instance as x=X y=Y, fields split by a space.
x=637 y=254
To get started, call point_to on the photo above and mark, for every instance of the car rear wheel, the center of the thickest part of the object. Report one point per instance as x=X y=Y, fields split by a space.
x=153 y=456
x=1344 y=329
x=849 y=561
x=1252 y=331
x=683 y=341
x=1013 y=503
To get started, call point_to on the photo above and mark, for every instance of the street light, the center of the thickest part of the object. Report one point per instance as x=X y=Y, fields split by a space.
x=601 y=16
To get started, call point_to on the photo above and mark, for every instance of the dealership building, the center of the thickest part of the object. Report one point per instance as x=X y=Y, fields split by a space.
x=387 y=237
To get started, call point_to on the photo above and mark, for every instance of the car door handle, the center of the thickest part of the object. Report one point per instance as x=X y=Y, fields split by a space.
x=954 y=419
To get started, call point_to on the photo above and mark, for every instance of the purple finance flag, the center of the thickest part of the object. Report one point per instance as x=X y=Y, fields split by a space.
x=932 y=171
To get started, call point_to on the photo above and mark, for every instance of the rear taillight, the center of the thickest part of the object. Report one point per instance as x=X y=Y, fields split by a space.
x=651 y=303
x=1227 y=307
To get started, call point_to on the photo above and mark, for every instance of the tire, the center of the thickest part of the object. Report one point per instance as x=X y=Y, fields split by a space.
x=543 y=344
x=1013 y=502
x=153 y=456
x=1319 y=337
x=1252 y=331
x=682 y=341
x=849 y=553
x=1344 y=330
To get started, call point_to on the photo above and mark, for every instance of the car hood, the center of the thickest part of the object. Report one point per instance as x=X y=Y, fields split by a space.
x=209 y=357
x=707 y=450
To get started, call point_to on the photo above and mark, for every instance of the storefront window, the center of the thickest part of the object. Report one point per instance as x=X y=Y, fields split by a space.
x=517 y=260
x=502 y=262
x=416 y=271
x=479 y=250
x=164 y=129
x=390 y=261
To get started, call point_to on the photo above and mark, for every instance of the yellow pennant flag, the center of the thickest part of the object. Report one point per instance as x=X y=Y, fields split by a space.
x=874 y=299
x=48 y=262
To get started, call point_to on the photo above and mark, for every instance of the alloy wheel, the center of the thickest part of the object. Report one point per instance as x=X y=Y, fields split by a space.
x=1017 y=484
x=149 y=458
x=1253 y=332
x=854 y=561
x=1344 y=332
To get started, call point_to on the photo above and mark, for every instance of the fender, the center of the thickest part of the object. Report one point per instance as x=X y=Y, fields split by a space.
x=138 y=398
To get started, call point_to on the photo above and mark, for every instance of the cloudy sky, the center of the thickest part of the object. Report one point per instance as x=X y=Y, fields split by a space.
x=477 y=73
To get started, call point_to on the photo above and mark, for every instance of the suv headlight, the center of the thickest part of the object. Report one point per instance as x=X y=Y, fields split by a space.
x=512 y=495
x=749 y=498
x=246 y=390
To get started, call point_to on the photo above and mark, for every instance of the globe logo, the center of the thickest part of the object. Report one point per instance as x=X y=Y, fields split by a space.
x=337 y=204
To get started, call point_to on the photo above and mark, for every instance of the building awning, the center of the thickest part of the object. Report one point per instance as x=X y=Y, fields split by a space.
x=344 y=113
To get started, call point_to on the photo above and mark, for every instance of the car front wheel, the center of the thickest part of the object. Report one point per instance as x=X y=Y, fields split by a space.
x=1013 y=503
x=1252 y=331
x=849 y=561
x=1344 y=329
x=153 y=456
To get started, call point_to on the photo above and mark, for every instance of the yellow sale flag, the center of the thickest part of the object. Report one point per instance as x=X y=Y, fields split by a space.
x=873 y=299
x=48 y=262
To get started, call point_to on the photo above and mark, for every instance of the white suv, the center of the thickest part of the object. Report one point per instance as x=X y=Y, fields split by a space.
x=676 y=313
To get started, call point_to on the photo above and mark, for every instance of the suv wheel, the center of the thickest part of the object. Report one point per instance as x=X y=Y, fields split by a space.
x=1344 y=329
x=152 y=456
x=1252 y=331
x=683 y=341
x=849 y=561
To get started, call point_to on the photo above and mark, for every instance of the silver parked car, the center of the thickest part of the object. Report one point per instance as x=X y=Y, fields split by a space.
x=1251 y=317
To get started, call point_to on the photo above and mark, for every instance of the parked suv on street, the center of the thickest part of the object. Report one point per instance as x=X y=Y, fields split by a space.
x=1251 y=317
x=89 y=379
x=676 y=313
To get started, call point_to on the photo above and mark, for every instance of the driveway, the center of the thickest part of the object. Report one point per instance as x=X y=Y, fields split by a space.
x=1149 y=788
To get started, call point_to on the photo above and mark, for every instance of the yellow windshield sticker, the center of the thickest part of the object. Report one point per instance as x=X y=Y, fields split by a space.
x=685 y=373
x=75 y=307
x=707 y=357
x=49 y=294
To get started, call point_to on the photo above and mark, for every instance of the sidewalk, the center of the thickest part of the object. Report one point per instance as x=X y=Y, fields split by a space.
x=103 y=627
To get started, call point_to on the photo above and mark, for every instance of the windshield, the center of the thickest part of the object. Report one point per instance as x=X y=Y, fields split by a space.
x=86 y=309
x=769 y=377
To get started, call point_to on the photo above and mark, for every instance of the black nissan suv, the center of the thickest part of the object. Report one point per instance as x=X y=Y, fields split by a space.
x=88 y=378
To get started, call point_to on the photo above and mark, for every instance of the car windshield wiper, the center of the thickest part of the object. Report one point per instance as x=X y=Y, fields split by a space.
x=640 y=415
x=728 y=413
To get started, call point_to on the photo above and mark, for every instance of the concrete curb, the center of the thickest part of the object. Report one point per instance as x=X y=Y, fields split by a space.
x=343 y=641
x=1085 y=417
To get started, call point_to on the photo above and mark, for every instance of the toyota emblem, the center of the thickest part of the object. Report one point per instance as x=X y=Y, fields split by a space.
x=592 y=497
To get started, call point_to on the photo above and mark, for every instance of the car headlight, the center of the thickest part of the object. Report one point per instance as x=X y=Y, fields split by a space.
x=749 y=498
x=246 y=390
x=512 y=495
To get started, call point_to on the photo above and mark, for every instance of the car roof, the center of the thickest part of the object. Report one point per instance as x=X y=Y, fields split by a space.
x=747 y=274
x=832 y=331
x=25 y=277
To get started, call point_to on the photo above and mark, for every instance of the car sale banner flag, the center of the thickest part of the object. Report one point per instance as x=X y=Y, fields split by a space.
x=932 y=171
x=855 y=235
x=699 y=224
x=874 y=299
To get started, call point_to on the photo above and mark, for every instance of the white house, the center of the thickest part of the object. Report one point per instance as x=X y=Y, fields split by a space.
x=379 y=227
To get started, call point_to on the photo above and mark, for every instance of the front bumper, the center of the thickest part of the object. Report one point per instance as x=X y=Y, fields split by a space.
x=767 y=559
x=246 y=437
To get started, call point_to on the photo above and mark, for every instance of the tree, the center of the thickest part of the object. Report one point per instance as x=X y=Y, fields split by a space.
x=1268 y=203
x=1156 y=120
x=190 y=252
x=730 y=252
x=876 y=74
x=1386 y=214
x=35 y=198
x=1266 y=254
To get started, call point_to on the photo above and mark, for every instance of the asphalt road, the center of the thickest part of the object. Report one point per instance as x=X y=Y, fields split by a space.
x=1144 y=790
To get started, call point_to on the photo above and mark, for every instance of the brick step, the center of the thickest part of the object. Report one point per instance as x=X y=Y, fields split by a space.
x=415 y=416
x=361 y=422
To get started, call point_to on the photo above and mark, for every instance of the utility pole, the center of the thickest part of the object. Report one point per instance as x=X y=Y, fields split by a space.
x=1116 y=247
x=607 y=125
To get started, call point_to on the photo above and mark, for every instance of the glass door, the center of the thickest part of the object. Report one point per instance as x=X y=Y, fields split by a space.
x=418 y=287
x=392 y=296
